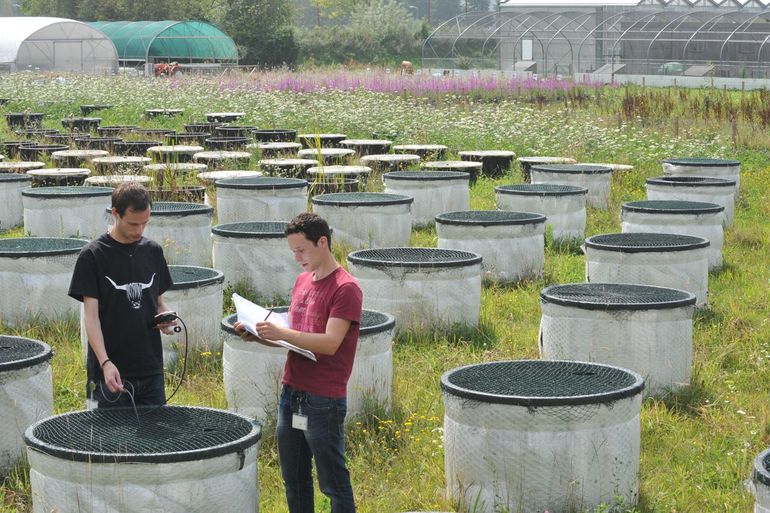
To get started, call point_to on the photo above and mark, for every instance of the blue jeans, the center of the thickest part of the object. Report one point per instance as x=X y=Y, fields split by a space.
x=147 y=391
x=323 y=441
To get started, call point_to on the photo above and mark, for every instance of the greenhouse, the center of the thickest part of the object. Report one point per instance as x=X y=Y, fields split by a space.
x=54 y=44
x=722 y=38
x=186 y=42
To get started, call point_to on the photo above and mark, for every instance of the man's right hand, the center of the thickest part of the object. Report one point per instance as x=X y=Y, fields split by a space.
x=241 y=330
x=112 y=378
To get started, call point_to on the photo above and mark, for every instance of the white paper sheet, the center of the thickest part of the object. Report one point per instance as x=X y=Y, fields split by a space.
x=249 y=314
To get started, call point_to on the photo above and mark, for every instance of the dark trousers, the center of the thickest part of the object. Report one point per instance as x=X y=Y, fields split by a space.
x=147 y=391
x=323 y=441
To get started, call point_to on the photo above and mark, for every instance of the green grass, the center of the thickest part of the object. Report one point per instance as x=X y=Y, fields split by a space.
x=697 y=445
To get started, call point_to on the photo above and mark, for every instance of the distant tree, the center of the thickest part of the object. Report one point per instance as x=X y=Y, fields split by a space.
x=330 y=10
x=262 y=29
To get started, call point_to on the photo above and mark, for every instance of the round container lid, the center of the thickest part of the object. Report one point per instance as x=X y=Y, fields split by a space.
x=180 y=167
x=22 y=352
x=646 y=242
x=452 y=164
x=616 y=296
x=180 y=208
x=221 y=155
x=534 y=383
x=59 y=171
x=261 y=182
x=761 y=471
x=80 y=153
x=122 y=159
x=39 y=246
x=325 y=152
x=489 y=218
x=418 y=147
x=174 y=148
x=287 y=162
x=546 y=160
x=113 y=180
x=14 y=177
x=691 y=181
x=672 y=207
x=191 y=276
x=366 y=142
x=275 y=145
x=20 y=166
x=322 y=136
x=339 y=170
x=414 y=257
x=426 y=175
x=700 y=162
x=541 y=189
x=353 y=199
x=256 y=229
x=584 y=169
x=391 y=157
x=159 y=435
x=67 y=191
x=373 y=322
x=487 y=153
x=213 y=176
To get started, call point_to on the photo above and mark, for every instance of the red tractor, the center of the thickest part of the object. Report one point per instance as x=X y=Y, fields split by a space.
x=167 y=69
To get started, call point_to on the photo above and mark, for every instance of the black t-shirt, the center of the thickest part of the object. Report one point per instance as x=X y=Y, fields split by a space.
x=127 y=280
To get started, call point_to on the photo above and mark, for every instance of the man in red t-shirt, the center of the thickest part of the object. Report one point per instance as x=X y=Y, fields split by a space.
x=325 y=315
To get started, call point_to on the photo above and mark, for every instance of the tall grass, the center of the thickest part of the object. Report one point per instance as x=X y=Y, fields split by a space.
x=697 y=445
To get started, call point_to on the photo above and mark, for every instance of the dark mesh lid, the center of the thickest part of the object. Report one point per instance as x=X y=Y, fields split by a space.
x=489 y=217
x=646 y=242
x=571 y=168
x=414 y=257
x=372 y=321
x=67 y=191
x=191 y=276
x=22 y=352
x=542 y=383
x=179 y=208
x=691 y=181
x=427 y=175
x=616 y=296
x=761 y=472
x=672 y=207
x=352 y=199
x=256 y=229
x=699 y=162
x=261 y=182
x=541 y=189
x=160 y=435
x=39 y=246
x=14 y=177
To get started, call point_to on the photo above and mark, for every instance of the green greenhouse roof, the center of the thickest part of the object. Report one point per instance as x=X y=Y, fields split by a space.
x=168 y=40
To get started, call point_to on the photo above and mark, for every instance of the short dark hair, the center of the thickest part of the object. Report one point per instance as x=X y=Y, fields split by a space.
x=131 y=195
x=312 y=226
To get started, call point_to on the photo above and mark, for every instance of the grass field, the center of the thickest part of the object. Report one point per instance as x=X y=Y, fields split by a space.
x=697 y=445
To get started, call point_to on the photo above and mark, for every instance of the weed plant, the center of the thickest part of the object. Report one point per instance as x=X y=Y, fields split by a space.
x=697 y=444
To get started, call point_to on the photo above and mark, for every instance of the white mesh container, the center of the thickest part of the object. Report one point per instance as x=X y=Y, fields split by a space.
x=196 y=296
x=594 y=178
x=26 y=393
x=255 y=255
x=643 y=328
x=696 y=218
x=759 y=483
x=260 y=198
x=65 y=211
x=11 y=206
x=695 y=188
x=251 y=374
x=717 y=168
x=35 y=275
x=532 y=436
x=512 y=244
x=422 y=288
x=184 y=231
x=564 y=206
x=367 y=219
x=175 y=459
x=371 y=379
x=658 y=259
x=434 y=192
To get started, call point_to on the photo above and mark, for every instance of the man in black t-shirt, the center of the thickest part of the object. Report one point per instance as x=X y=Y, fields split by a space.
x=120 y=277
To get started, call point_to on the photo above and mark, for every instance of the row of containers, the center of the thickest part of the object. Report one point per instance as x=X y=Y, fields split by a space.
x=558 y=433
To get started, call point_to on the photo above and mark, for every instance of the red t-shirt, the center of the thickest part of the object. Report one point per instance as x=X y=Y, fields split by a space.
x=312 y=304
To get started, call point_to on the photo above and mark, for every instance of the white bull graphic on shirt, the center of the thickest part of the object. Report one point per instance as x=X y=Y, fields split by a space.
x=133 y=291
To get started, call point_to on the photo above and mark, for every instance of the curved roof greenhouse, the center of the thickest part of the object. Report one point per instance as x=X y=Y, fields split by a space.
x=160 y=41
x=54 y=44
